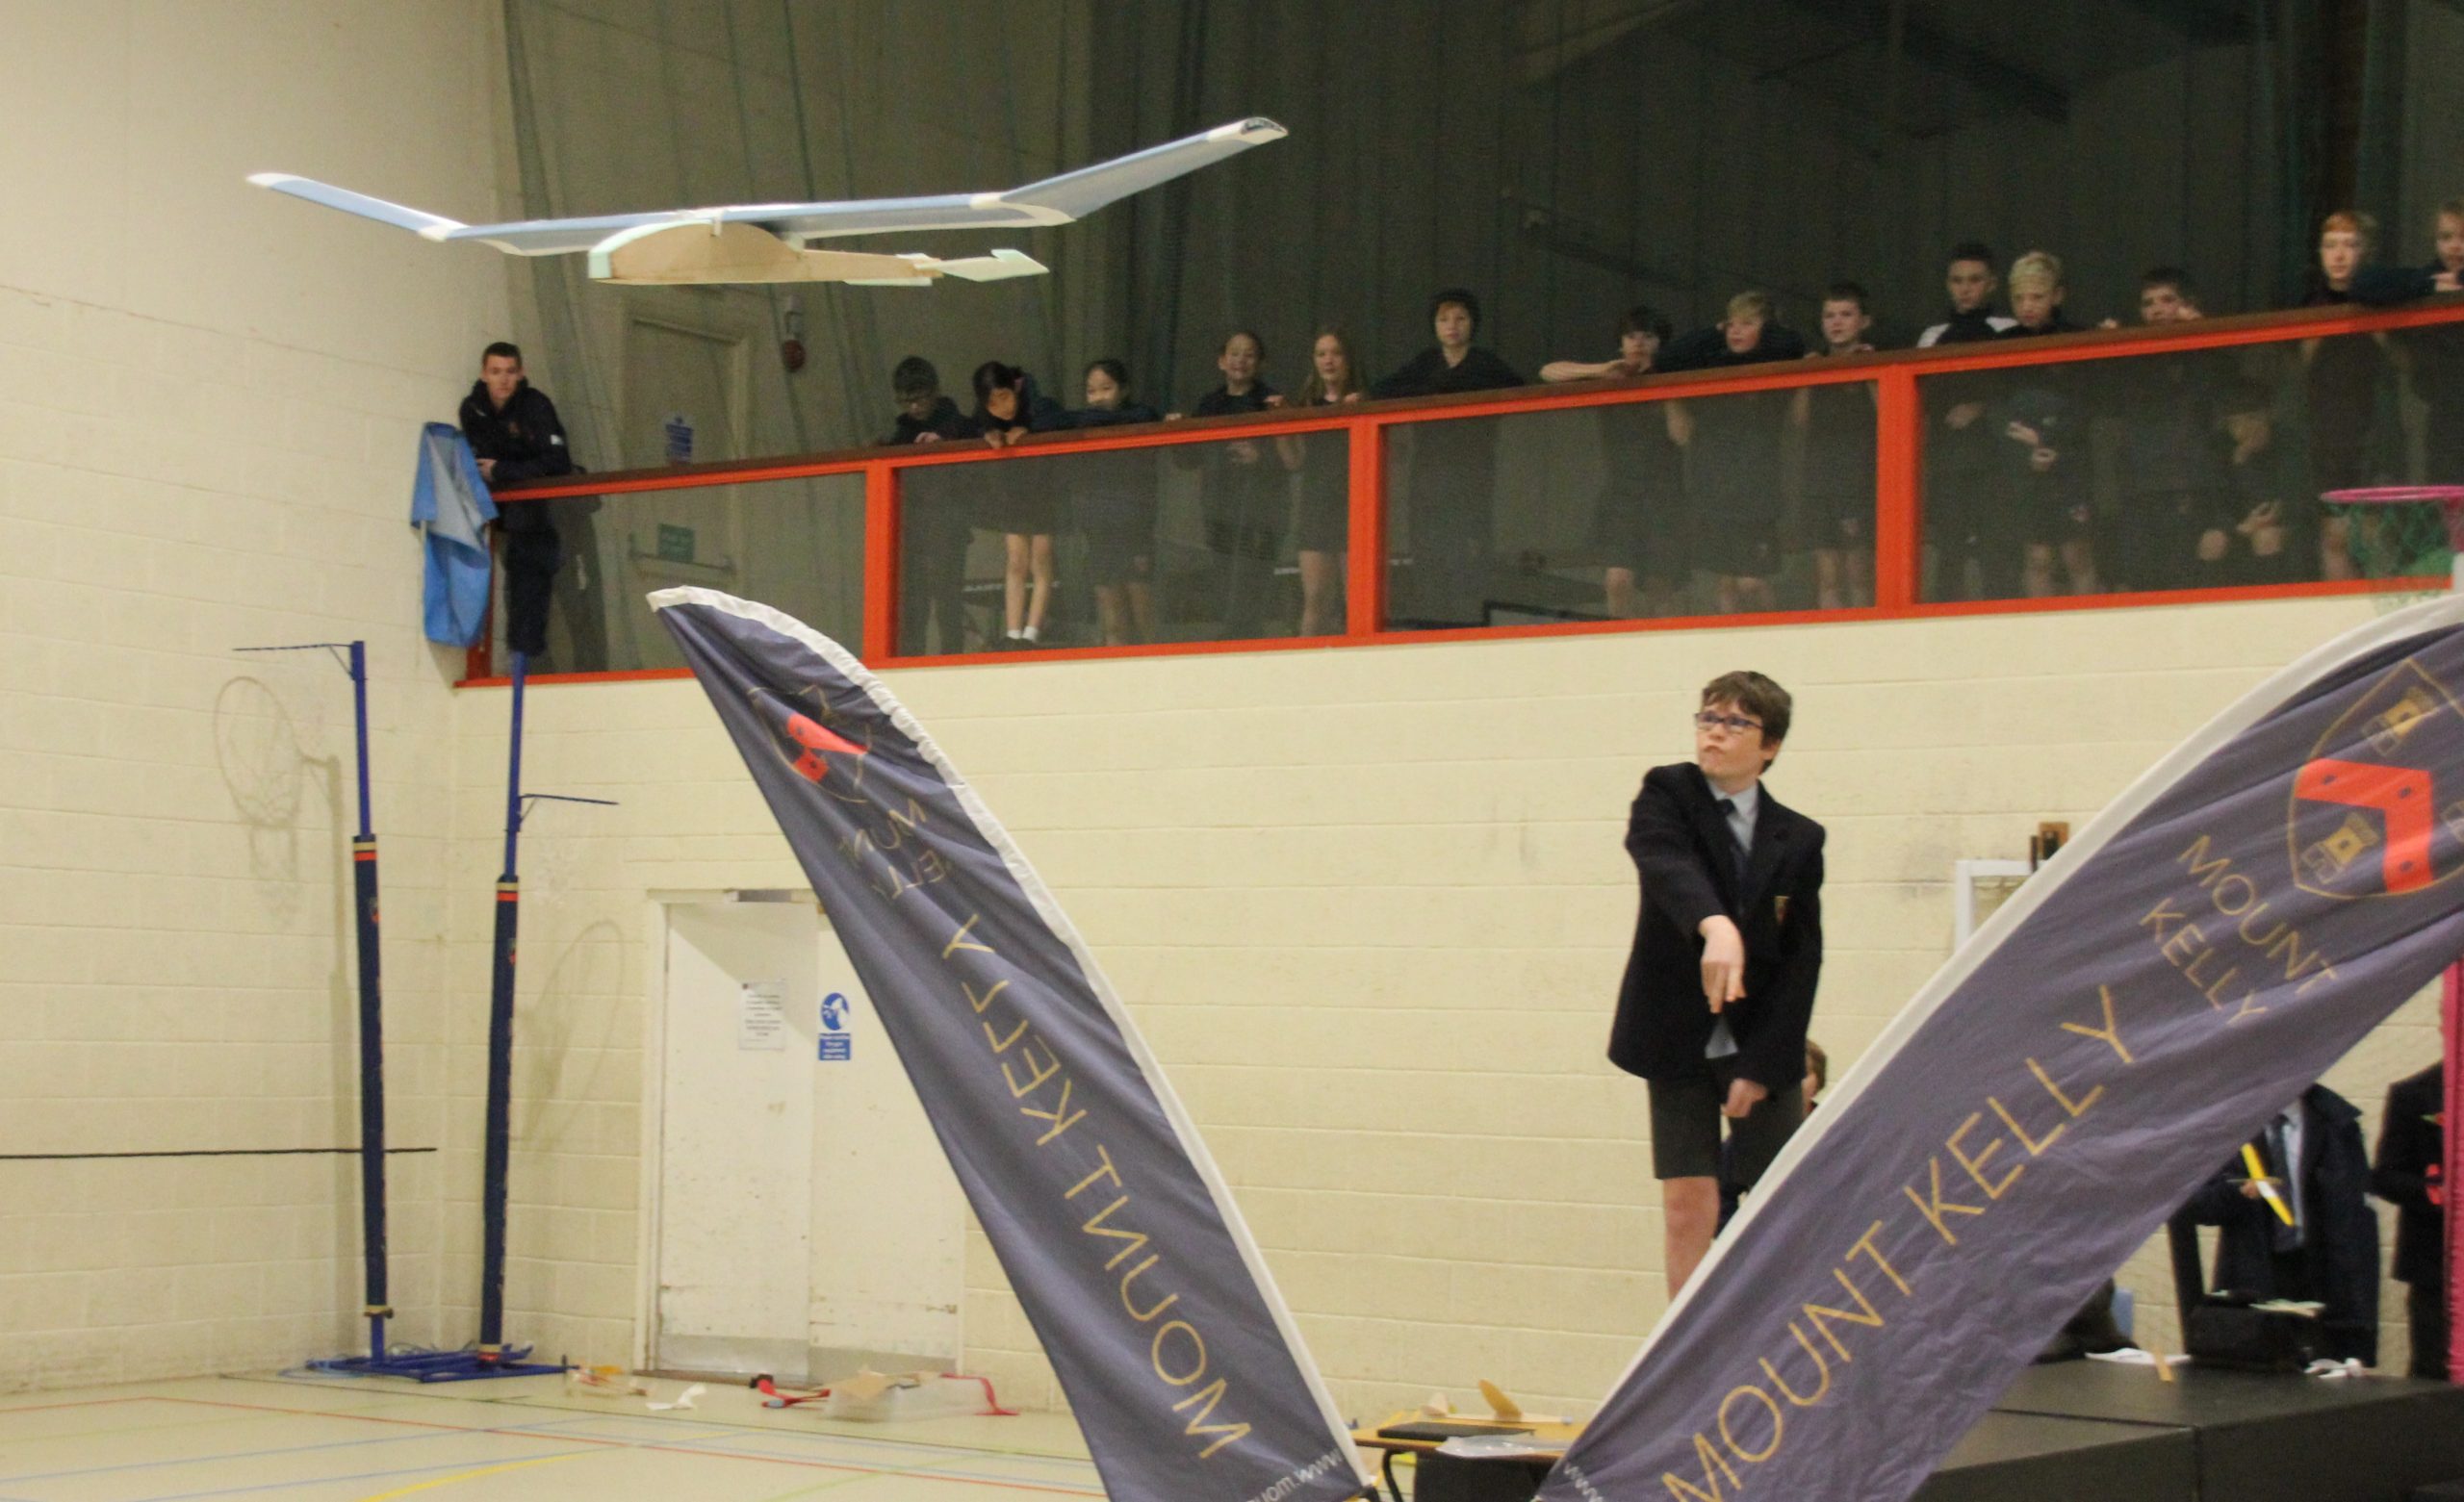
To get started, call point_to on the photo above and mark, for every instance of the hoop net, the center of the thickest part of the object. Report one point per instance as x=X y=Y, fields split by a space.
x=2410 y=532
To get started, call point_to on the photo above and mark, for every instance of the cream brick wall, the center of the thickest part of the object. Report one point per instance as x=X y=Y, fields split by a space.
x=209 y=399
x=1371 y=907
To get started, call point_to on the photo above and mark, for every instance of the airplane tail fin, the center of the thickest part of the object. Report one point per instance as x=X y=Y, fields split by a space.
x=429 y=226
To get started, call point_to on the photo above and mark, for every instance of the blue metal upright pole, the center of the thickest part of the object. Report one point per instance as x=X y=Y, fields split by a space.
x=500 y=1049
x=372 y=1034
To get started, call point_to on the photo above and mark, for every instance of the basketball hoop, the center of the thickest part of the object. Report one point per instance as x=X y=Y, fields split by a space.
x=2405 y=532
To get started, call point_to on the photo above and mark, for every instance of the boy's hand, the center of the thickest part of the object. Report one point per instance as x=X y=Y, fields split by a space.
x=995 y=439
x=1723 y=961
x=2446 y=281
x=928 y=437
x=1743 y=1096
x=1276 y=400
x=1963 y=414
x=2024 y=434
x=1352 y=395
x=2042 y=459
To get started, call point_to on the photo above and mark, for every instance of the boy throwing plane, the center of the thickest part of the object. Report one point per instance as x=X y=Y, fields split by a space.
x=1728 y=947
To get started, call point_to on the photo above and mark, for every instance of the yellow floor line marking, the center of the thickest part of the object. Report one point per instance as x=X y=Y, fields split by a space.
x=473 y=1475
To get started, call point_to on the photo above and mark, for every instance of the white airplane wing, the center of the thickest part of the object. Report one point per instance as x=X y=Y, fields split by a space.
x=1055 y=200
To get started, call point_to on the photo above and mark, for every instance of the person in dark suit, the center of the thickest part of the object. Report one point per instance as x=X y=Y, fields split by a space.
x=1728 y=946
x=2410 y=1174
x=2328 y=1254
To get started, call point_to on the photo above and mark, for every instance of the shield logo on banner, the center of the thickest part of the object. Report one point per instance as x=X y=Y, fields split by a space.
x=800 y=735
x=2368 y=820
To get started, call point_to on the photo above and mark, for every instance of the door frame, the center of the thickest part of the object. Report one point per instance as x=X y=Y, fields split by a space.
x=655 y=915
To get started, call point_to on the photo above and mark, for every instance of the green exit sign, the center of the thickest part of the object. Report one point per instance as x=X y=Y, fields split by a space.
x=675 y=544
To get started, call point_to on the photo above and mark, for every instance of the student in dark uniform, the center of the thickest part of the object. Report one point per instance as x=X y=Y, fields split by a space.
x=1728 y=948
x=2328 y=1254
x=516 y=435
x=2197 y=501
x=1451 y=500
x=1732 y=452
x=1018 y=505
x=2042 y=510
x=1242 y=497
x=1115 y=509
x=2433 y=357
x=1839 y=427
x=933 y=534
x=2410 y=1173
x=1958 y=448
x=1321 y=525
x=2341 y=381
x=1638 y=521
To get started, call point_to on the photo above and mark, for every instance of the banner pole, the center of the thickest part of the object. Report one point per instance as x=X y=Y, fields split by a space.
x=2452 y=1127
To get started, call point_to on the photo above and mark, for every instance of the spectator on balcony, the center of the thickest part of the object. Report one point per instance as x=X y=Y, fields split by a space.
x=1008 y=408
x=516 y=435
x=1732 y=446
x=2195 y=436
x=1958 y=448
x=1638 y=521
x=1452 y=497
x=932 y=533
x=1322 y=528
x=2041 y=427
x=1115 y=510
x=2433 y=357
x=2341 y=385
x=1243 y=498
x=1838 y=426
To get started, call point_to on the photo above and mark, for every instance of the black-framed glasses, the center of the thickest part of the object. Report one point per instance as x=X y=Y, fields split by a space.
x=1709 y=721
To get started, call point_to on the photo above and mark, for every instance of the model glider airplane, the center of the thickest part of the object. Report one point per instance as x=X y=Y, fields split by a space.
x=763 y=242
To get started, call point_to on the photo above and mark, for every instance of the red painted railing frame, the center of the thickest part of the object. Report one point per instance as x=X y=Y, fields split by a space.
x=1899 y=533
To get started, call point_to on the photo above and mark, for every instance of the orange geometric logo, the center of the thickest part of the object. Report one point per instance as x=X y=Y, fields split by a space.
x=2366 y=819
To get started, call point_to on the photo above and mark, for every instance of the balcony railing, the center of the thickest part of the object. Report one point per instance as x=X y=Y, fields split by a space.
x=2090 y=469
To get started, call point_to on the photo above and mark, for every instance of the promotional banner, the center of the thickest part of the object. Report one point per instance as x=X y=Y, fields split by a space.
x=2210 y=945
x=1181 y=1363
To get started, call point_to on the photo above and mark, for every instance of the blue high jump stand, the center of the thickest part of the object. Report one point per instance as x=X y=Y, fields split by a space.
x=378 y=1362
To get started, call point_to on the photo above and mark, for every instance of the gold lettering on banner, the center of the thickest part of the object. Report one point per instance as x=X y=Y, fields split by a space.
x=1779 y=1426
x=2111 y=1032
x=1037 y=1077
x=1709 y=1455
x=1975 y=1166
x=1209 y=1395
x=1940 y=1208
x=1872 y=1318
x=1864 y=1246
x=960 y=939
x=1821 y=1368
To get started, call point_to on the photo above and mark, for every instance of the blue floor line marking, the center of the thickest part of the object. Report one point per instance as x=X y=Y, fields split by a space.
x=374 y=1475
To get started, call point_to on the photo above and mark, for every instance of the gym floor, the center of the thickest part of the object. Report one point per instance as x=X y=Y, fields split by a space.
x=344 y=1439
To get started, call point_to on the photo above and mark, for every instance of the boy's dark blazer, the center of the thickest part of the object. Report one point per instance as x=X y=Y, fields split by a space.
x=1686 y=859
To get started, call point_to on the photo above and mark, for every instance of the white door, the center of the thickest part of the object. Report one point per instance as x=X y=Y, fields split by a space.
x=808 y=1221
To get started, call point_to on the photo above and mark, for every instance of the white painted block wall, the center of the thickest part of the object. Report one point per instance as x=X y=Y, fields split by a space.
x=208 y=404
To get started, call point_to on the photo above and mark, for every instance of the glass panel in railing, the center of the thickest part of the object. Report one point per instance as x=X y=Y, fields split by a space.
x=2161 y=471
x=1222 y=541
x=1760 y=501
x=574 y=590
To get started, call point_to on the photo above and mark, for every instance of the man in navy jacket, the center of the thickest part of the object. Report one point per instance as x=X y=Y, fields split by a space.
x=2407 y=1174
x=1728 y=948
